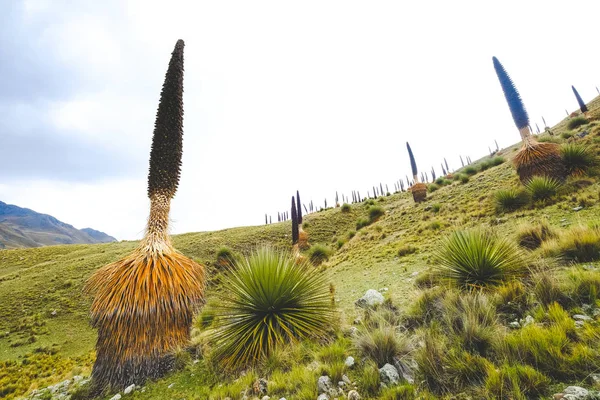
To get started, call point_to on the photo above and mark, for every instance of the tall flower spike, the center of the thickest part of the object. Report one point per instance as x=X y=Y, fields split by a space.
x=413 y=164
x=582 y=105
x=167 y=140
x=513 y=98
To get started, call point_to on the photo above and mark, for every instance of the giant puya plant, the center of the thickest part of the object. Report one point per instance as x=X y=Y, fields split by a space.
x=580 y=101
x=534 y=158
x=143 y=304
x=418 y=189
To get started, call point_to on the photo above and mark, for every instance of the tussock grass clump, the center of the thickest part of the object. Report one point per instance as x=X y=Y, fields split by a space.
x=578 y=159
x=225 y=257
x=585 y=286
x=579 y=244
x=369 y=380
x=532 y=236
x=346 y=208
x=427 y=307
x=512 y=298
x=547 y=288
x=542 y=188
x=319 y=253
x=463 y=178
x=361 y=223
x=476 y=259
x=516 y=382
x=407 y=249
x=576 y=122
x=268 y=300
x=401 y=392
x=510 y=199
x=497 y=161
x=432 y=187
x=382 y=344
x=375 y=212
x=472 y=319
x=470 y=170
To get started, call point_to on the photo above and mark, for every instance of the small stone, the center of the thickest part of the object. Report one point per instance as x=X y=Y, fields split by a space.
x=341 y=384
x=558 y=396
x=116 y=397
x=346 y=380
x=514 y=325
x=129 y=389
x=323 y=396
x=371 y=298
x=389 y=375
x=77 y=378
x=581 y=317
x=577 y=208
x=595 y=378
x=528 y=320
x=259 y=387
x=266 y=398
x=575 y=393
x=324 y=384
x=349 y=362
x=579 y=324
x=353 y=395
x=170 y=386
x=414 y=274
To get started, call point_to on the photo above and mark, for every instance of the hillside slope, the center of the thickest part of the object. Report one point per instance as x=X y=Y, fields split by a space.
x=22 y=227
x=44 y=316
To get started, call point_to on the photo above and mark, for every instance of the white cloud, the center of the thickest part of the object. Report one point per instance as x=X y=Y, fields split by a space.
x=316 y=96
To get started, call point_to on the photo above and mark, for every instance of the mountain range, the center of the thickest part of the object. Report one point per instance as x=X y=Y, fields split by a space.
x=22 y=227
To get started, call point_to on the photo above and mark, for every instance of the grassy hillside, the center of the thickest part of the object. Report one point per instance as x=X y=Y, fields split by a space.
x=44 y=331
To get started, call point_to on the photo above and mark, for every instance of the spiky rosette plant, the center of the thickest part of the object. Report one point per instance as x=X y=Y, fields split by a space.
x=268 y=300
x=534 y=158
x=418 y=189
x=580 y=101
x=143 y=304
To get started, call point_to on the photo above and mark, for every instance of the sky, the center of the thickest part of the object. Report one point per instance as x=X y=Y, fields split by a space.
x=316 y=96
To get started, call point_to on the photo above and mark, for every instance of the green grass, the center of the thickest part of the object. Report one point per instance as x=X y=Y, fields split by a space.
x=542 y=188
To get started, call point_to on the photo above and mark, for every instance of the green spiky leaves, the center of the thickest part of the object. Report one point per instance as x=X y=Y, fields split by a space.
x=513 y=98
x=413 y=164
x=167 y=142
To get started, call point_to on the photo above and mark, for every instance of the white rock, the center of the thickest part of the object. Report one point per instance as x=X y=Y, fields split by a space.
x=171 y=386
x=323 y=396
x=116 y=397
x=129 y=389
x=389 y=375
x=575 y=393
x=353 y=395
x=324 y=384
x=266 y=398
x=349 y=362
x=581 y=317
x=371 y=298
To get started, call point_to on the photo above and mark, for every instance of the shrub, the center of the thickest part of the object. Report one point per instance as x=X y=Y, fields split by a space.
x=516 y=382
x=432 y=187
x=225 y=257
x=576 y=122
x=375 y=212
x=345 y=207
x=475 y=259
x=532 y=236
x=566 y=135
x=268 y=300
x=434 y=225
x=427 y=279
x=510 y=199
x=435 y=208
x=484 y=165
x=542 y=188
x=427 y=307
x=369 y=381
x=319 y=253
x=463 y=178
x=334 y=370
x=470 y=170
x=361 y=223
x=382 y=344
x=406 y=250
x=579 y=244
x=578 y=159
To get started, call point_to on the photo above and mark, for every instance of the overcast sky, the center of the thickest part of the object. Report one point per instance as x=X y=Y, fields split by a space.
x=319 y=96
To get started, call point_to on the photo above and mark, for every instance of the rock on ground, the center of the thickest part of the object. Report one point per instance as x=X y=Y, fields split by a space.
x=353 y=395
x=371 y=298
x=324 y=384
x=389 y=375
